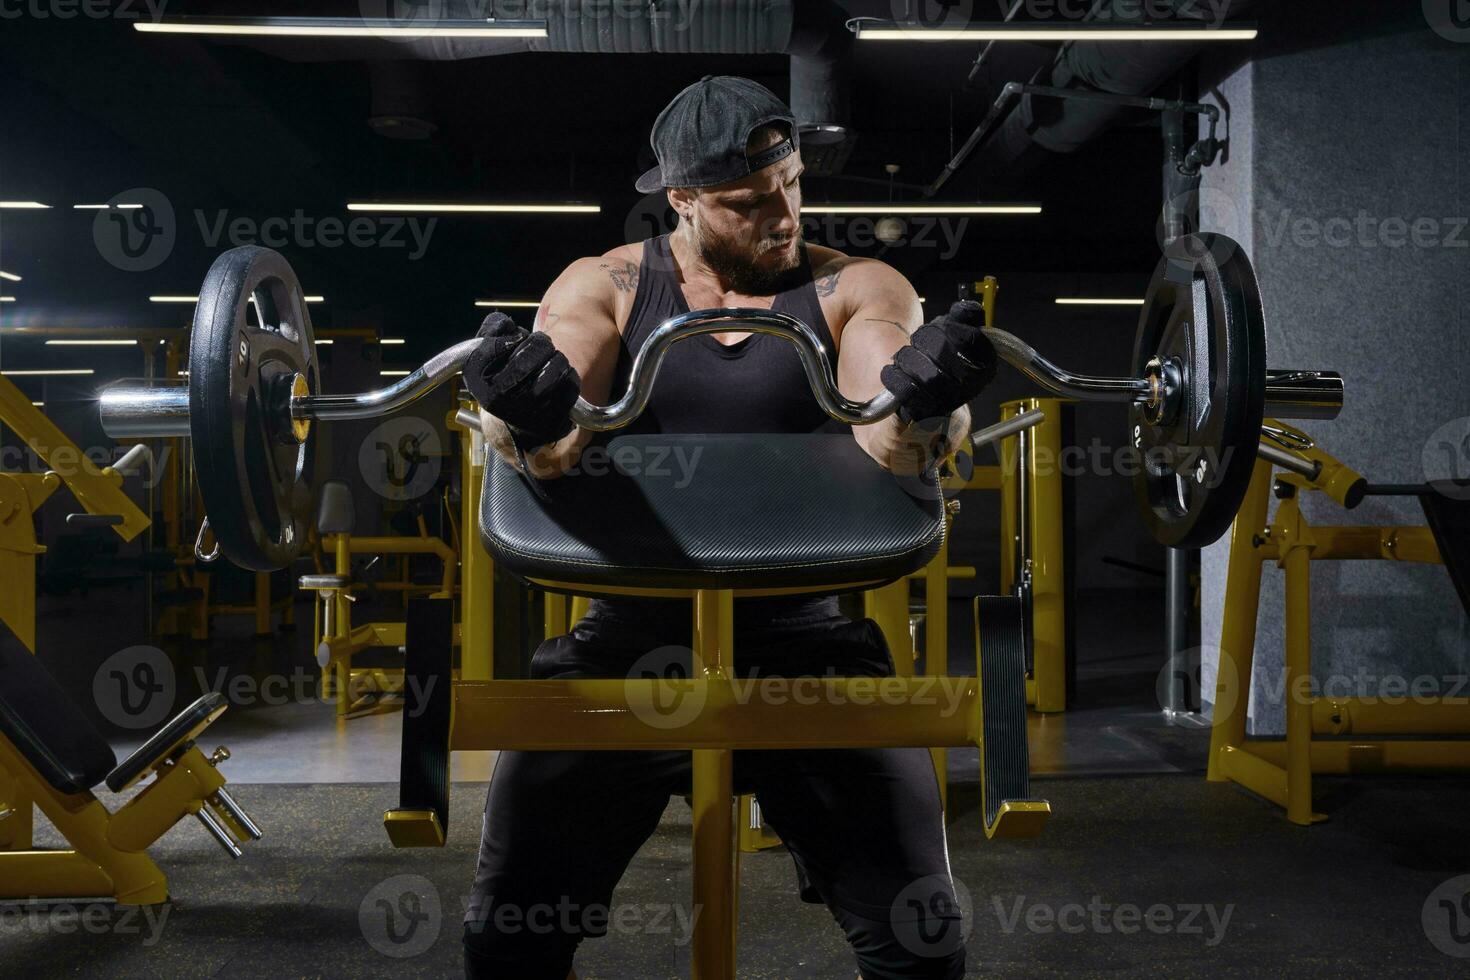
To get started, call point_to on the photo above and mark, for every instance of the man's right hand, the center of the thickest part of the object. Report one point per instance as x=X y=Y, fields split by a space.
x=946 y=363
x=522 y=379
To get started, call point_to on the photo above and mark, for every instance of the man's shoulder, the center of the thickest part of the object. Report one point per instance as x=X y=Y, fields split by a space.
x=615 y=270
x=837 y=273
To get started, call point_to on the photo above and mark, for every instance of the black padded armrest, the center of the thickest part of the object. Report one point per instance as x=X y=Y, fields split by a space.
x=748 y=511
x=179 y=733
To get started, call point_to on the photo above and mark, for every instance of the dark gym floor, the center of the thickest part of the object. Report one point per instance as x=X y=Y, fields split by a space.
x=1144 y=868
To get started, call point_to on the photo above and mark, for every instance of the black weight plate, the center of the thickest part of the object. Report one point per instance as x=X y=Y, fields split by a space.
x=1203 y=309
x=253 y=474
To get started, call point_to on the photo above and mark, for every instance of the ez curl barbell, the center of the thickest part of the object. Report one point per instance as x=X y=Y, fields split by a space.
x=1196 y=402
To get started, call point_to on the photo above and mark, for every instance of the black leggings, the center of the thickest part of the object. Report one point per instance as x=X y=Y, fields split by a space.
x=864 y=825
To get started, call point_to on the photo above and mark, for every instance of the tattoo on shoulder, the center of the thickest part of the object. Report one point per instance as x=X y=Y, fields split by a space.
x=548 y=318
x=878 y=319
x=827 y=285
x=623 y=274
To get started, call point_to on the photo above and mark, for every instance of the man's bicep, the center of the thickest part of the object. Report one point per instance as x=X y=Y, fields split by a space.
x=888 y=312
x=579 y=316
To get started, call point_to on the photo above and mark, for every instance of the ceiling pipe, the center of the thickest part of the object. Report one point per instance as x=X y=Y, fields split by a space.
x=811 y=32
x=1039 y=127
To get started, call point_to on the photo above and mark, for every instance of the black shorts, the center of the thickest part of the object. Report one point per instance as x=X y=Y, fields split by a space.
x=865 y=826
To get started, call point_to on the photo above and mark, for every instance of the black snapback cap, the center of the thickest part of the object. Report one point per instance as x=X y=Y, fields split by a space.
x=699 y=139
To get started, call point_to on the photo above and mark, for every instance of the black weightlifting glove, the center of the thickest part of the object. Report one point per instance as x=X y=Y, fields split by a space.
x=522 y=379
x=946 y=363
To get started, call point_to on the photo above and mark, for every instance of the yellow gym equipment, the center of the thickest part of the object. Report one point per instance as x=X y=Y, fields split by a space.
x=468 y=715
x=1281 y=770
x=98 y=490
x=337 y=640
x=51 y=756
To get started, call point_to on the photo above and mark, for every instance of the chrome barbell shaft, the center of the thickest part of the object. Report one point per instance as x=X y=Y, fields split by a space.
x=1024 y=358
x=130 y=412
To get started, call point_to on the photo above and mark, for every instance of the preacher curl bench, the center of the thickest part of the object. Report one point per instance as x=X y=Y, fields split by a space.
x=761 y=515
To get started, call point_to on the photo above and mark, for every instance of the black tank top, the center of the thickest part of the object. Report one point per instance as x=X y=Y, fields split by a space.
x=755 y=385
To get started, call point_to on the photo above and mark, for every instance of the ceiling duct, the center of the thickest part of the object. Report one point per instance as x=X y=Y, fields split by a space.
x=812 y=32
x=1039 y=127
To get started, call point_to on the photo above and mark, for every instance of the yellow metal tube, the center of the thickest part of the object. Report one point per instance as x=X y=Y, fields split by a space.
x=179 y=790
x=477 y=571
x=888 y=606
x=51 y=874
x=716 y=866
x=1358 y=757
x=1298 y=563
x=1391 y=715
x=555 y=614
x=1238 y=628
x=936 y=640
x=1048 y=566
x=716 y=854
x=1256 y=774
x=762 y=713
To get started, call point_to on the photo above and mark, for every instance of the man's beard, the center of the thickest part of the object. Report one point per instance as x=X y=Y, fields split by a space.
x=735 y=266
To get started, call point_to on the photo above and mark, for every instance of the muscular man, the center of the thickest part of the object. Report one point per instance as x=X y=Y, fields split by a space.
x=864 y=825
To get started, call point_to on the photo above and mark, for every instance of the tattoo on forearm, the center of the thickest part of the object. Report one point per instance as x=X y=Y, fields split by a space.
x=827 y=285
x=624 y=275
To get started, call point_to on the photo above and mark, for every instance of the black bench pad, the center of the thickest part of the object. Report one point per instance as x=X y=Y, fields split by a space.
x=49 y=730
x=748 y=511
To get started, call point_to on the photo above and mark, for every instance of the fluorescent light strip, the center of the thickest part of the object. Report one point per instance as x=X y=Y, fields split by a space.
x=476 y=208
x=889 y=31
x=7 y=299
x=9 y=275
x=105 y=207
x=507 y=302
x=46 y=372
x=91 y=343
x=165 y=298
x=1099 y=302
x=879 y=208
x=324 y=342
x=392 y=340
x=39 y=404
x=24 y=205
x=394 y=374
x=343 y=27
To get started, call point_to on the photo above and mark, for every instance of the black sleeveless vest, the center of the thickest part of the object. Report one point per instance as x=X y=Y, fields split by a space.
x=755 y=385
